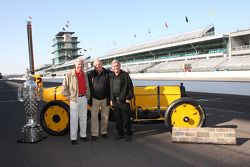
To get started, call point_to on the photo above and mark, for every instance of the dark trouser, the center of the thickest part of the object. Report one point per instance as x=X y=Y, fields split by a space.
x=122 y=116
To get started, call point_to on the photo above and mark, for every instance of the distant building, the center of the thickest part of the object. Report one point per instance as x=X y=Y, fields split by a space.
x=65 y=50
x=196 y=51
x=65 y=47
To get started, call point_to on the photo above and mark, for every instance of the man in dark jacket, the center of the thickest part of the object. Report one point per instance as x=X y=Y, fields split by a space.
x=99 y=83
x=121 y=92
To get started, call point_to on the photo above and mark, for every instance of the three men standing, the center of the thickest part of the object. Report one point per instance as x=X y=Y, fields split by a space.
x=101 y=88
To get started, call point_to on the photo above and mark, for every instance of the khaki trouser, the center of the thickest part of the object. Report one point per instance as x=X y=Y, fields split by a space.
x=99 y=105
x=78 y=113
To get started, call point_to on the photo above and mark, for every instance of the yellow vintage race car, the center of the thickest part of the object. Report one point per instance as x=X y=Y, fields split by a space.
x=165 y=103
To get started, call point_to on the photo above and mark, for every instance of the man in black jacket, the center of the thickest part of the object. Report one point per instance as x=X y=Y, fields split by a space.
x=121 y=92
x=99 y=84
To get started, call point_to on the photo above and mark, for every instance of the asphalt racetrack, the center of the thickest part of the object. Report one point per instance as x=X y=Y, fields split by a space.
x=151 y=145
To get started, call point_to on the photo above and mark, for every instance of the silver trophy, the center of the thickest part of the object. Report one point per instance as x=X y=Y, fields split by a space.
x=29 y=93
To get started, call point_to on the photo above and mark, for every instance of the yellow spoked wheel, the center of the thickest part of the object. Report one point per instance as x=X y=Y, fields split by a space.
x=185 y=112
x=55 y=118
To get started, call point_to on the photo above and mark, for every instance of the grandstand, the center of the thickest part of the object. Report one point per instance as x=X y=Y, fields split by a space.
x=201 y=49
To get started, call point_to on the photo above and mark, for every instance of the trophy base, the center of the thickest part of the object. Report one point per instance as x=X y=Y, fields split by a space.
x=32 y=134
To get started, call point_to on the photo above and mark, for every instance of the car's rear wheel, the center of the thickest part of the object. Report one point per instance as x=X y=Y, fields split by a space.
x=185 y=112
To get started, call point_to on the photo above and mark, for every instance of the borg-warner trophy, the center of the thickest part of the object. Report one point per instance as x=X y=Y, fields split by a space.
x=29 y=93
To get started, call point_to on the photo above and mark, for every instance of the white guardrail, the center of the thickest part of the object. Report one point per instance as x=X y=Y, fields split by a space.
x=196 y=76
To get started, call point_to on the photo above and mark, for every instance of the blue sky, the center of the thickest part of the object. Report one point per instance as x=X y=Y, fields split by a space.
x=104 y=25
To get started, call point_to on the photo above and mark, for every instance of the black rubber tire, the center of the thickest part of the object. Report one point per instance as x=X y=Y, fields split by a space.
x=42 y=117
x=180 y=101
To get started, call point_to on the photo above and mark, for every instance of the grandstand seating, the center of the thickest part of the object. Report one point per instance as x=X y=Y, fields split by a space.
x=192 y=35
x=198 y=65
x=210 y=64
x=173 y=66
x=236 y=63
x=164 y=41
x=137 y=68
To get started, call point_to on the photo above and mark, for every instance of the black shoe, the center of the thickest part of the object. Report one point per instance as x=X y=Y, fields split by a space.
x=128 y=138
x=85 y=139
x=118 y=137
x=105 y=136
x=94 y=138
x=74 y=142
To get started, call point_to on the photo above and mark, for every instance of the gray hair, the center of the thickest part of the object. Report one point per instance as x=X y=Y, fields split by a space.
x=79 y=59
x=116 y=61
x=97 y=60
